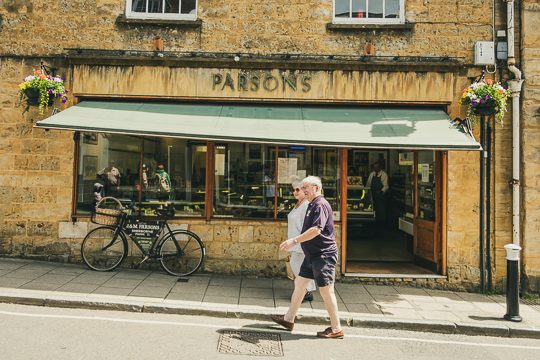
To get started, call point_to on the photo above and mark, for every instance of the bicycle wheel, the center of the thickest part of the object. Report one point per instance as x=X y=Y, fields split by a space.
x=181 y=253
x=101 y=250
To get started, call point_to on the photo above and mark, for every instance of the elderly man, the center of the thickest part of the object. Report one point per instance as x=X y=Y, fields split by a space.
x=319 y=245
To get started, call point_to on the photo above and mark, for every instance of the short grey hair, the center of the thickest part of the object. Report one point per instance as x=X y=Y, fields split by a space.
x=313 y=180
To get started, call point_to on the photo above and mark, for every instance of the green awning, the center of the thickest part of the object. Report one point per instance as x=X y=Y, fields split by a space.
x=339 y=126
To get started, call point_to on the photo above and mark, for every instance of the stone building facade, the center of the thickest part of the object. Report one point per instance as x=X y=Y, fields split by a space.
x=425 y=61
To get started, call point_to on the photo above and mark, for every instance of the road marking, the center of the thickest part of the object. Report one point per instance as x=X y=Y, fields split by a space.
x=176 y=323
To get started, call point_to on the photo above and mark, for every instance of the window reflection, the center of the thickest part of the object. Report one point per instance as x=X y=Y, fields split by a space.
x=244 y=184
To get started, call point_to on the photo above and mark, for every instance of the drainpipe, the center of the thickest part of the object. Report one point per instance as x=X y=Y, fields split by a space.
x=515 y=88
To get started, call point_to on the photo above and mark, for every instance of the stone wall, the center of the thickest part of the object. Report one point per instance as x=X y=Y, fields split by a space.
x=442 y=28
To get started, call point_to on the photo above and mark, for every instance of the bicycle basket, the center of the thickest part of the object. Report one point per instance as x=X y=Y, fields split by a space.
x=107 y=216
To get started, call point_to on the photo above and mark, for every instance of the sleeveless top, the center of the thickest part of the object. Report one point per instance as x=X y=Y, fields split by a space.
x=295 y=221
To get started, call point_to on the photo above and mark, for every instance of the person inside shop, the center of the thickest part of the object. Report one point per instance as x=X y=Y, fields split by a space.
x=98 y=189
x=163 y=183
x=319 y=245
x=295 y=221
x=269 y=186
x=112 y=177
x=378 y=182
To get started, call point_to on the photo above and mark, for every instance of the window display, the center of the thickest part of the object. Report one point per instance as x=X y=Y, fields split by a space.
x=244 y=184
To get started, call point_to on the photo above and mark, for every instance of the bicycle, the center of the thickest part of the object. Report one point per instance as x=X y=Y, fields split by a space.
x=180 y=252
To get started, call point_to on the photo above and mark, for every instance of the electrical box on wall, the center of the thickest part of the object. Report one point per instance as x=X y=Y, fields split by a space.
x=484 y=53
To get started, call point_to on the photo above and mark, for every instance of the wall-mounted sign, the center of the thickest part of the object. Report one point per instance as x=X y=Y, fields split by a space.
x=253 y=81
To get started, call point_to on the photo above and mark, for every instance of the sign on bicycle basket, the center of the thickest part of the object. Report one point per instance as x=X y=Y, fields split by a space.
x=143 y=232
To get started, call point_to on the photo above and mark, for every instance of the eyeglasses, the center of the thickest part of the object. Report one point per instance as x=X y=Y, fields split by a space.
x=304 y=187
x=295 y=190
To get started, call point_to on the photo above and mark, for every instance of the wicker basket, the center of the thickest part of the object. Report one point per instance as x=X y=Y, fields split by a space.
x=104 y=216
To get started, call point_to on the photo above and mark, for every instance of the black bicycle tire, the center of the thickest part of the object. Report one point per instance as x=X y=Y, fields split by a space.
x=200 y=246
x=124 y=252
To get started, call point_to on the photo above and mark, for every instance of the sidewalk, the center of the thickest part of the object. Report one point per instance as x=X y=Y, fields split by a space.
x=393 y=307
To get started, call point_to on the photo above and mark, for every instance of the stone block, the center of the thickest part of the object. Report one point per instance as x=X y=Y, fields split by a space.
x=246 y=234
x=13 y=228
x=68 y=230
x=226 y=233
x=42 y=228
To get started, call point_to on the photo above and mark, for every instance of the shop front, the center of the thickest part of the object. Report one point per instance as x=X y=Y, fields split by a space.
x=222 y=145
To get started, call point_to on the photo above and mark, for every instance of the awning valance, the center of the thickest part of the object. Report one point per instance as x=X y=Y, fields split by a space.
x=318 y=125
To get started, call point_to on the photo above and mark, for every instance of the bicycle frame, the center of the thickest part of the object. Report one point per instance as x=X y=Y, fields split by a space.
x=124 y=230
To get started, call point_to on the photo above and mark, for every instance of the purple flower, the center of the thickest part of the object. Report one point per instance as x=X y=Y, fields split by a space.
x=50 y=91
x=64 y=99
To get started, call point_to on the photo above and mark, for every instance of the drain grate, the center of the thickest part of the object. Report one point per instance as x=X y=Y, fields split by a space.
x=249 y=343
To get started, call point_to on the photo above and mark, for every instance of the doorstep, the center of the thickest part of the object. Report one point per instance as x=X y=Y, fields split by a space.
x=394 y=276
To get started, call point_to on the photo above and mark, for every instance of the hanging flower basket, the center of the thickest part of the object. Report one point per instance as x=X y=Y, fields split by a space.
x=41 y=90
x=486 y=98
x=32 y=97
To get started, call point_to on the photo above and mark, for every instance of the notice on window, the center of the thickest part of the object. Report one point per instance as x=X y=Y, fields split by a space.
x=220 y=164
x=287 y=168
x=425 y=173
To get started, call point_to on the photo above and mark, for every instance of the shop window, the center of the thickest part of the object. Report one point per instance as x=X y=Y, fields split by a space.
x=299 y=162
x=369 y=11
x=172 y=171
x=108 y=166
x=244 y=181
x=162 y=9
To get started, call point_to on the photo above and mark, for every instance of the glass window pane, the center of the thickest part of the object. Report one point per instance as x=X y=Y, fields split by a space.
x=138 y=5
x=108 y=166
x=244 y=185
x=375 y=9
x=342 y=8
x=426 y=185
x=155 y=6
x=174 y=172
x=325 y=166
x=172 y=6
x=293 y=161
x=188 y=6
x=391 y=9
x=359 y=9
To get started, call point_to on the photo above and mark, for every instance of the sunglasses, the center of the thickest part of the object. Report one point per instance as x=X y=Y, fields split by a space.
x=295 y=190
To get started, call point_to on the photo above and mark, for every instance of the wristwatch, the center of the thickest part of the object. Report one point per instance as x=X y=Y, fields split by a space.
x=294 y=240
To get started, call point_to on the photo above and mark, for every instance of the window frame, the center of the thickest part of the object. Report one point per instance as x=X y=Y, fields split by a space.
x=379 y=21
x=161 y=16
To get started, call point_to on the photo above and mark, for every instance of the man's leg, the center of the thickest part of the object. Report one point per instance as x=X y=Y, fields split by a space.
x=300 y=286
x=330 y=302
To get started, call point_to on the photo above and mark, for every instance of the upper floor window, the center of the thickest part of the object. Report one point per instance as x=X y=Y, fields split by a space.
x=162 y=9
x=369 y=11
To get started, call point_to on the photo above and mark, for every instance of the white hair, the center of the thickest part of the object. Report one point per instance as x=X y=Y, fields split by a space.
x=295 y=181
x=313 y=180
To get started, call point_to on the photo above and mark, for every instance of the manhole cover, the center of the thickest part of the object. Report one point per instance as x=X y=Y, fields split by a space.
x=250 y=343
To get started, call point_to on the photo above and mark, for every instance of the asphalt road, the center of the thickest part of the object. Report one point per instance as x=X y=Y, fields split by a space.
x=28 y=332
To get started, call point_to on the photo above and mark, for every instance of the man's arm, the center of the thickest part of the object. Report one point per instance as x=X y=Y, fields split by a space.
x=384 y=180
x=305 y=236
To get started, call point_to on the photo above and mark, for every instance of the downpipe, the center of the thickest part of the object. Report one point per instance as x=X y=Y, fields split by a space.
x=515 y=86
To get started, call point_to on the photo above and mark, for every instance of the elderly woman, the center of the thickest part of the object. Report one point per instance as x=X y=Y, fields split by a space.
x=295 y=221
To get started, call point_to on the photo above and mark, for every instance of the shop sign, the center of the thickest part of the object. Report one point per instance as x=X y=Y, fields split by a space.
x=255 y=81
x=143 y=232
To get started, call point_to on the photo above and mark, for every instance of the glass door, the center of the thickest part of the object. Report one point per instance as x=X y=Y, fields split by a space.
x=426 y=237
